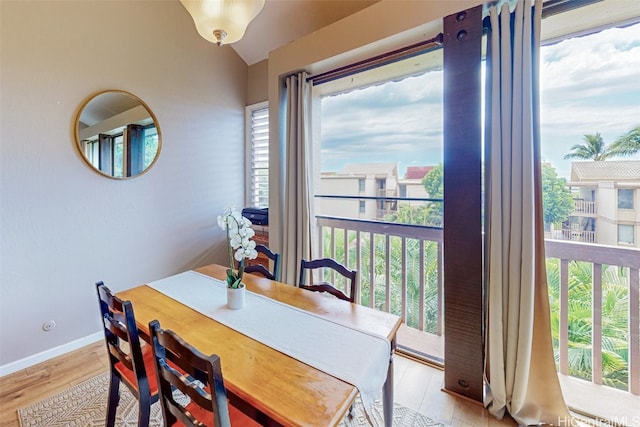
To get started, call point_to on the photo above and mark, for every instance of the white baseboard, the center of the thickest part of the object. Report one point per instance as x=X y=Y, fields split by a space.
x=12 y=367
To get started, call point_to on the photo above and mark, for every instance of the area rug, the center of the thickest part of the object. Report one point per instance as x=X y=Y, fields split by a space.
x=84 y=405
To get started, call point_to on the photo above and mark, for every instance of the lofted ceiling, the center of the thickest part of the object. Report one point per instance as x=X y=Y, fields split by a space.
x=282 y=21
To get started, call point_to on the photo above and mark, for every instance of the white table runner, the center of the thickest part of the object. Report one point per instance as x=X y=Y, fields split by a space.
x=354 y=356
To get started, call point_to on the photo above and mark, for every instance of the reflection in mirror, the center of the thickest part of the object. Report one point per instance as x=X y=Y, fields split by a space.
x=117 y=134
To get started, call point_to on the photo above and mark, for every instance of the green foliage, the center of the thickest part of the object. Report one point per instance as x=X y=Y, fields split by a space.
x=614 y=308
x=434 y=182
x=429 y=215
x=628 y=144
x=374 y=294
x=594 y=147
x=150 y=149
x=556 y=197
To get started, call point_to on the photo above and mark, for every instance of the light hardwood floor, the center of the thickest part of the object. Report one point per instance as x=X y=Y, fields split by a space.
x=417 y=386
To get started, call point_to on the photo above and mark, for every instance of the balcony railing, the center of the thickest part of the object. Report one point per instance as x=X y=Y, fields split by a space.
x=584 y=207
x=584 y=236
x=399 y=266
x=614 y=274
x=400 y=271
x=386 y=192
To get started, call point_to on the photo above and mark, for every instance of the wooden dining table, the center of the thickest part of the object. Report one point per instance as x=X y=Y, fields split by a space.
x=270 y=386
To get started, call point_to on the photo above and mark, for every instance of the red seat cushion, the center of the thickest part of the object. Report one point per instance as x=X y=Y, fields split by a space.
x=237 y=417
x=129 y=376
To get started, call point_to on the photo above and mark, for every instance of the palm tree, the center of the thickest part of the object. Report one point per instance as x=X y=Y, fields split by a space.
x=628 y=144
x=594 y=147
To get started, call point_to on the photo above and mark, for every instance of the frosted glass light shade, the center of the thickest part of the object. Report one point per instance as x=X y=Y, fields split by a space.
x=222 y=21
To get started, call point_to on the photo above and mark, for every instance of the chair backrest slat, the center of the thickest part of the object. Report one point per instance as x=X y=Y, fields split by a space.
x=126 y=360
x=197 y=376
x=116 y=324
x=262 y=270
x=323 y=286
x=120 y=325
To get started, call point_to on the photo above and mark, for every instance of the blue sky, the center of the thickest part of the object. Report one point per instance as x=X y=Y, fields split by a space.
x=588 y=84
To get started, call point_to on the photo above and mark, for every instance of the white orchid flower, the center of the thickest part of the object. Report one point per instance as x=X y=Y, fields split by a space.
x=239 y=234
x=248 y=251
x=235 y=241
x=222 y=222
x=249 y=245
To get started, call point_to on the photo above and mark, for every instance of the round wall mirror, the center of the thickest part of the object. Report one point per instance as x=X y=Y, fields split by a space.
x=117 y=134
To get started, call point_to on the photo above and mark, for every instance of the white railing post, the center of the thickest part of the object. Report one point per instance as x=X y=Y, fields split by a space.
x=634 y=331
x=596 y=325
x=563 y=326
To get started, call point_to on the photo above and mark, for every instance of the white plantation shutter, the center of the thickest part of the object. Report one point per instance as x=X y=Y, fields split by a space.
x=258 y=155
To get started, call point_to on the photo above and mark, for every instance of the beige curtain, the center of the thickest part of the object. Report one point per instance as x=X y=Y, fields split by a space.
x=520 y=370
x=298 y=229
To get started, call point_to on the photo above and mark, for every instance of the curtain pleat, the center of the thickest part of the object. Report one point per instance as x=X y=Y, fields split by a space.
x=298 y=224
x=520 y=369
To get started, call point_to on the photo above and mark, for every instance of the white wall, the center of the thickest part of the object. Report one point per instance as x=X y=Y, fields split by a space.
x=606 y=227
x=63 y=227
x=341 y=186
x=606 y=200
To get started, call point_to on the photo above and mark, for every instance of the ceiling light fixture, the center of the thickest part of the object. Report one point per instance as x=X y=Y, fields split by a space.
x=222 y=21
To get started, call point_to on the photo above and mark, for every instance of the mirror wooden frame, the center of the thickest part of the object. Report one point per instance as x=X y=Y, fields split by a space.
x=140 y=116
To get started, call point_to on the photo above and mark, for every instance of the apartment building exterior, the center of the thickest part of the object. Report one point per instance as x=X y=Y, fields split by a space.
x=411 y=185
x=606 y=203
x=356 y=189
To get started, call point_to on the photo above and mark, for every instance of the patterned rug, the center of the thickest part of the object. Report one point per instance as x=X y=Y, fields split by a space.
x=84 y=405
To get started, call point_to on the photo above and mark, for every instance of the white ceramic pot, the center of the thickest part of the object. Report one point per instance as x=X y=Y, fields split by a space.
x=235 y=297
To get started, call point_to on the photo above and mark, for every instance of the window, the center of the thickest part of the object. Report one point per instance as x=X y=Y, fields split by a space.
x=625 y=198
x=588 y=100
x=573 y=127
x=257 y=140
x=123 y=151
x=625 y=234
x=381 y=123
x=91 y=152
x=118 y=155
x=362 y=208
x=150 y=145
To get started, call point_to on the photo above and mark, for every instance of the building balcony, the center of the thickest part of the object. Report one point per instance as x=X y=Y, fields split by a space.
x=583 y=208
x=387 y=192
x=597 y=349
x=583 y=236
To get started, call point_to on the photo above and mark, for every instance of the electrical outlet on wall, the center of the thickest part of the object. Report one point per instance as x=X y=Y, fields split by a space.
x=49 y=325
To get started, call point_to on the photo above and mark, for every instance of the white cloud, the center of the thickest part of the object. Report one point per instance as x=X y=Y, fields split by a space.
x=588 y=84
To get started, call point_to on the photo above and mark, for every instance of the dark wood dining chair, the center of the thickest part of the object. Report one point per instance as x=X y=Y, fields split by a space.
x=181 y=367
x=324 y=286
x=129 y=363
x=261 y=269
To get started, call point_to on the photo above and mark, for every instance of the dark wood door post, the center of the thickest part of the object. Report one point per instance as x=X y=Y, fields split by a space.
x=463 y=259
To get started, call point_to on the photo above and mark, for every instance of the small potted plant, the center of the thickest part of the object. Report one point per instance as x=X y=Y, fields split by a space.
x=239 y=234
